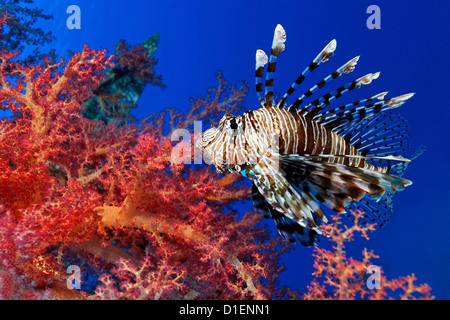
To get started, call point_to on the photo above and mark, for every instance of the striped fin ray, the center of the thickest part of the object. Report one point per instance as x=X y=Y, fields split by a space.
x=279 y=38
x=371 y=129
x=261 y=61
x=339 y=111
x=321 y=103
x=369 y=180
x=287 y=228
x=321 y=157
x=379 y=212
x=336 y=186
x=323 y=56
x=381 y=136
x=337 y=118
x=333 y=193
x=345 y=69
x=336 y=195
x=333 y=184
x=330 y=184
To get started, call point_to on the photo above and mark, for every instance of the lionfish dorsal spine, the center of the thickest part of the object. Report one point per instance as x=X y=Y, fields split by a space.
x=261 y=60
x=279 y=38
x=324 y=101
x=344 y=69
x=323 y=56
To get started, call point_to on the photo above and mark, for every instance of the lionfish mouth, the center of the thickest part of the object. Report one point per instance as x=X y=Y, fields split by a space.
x=201 y=143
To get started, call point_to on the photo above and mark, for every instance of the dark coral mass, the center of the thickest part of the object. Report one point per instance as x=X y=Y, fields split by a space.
x=124 y=82
x=21 y=31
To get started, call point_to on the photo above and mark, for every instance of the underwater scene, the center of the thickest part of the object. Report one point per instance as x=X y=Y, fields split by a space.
x=224 y=150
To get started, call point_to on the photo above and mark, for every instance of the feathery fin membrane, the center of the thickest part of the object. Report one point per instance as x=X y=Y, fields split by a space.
x=379 y=212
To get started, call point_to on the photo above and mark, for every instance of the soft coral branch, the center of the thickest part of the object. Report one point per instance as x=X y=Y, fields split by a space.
x=223 y=98
x=337 y=276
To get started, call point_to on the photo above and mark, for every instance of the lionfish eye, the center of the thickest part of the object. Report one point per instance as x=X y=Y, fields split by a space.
x=233 y=124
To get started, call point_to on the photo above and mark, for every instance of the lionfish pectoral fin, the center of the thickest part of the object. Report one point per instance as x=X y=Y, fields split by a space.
x=260 y=204
x=338 y=185
x=287 y=227
x=282 y=196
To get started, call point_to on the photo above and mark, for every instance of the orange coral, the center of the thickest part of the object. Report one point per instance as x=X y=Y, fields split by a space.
x=337 y=276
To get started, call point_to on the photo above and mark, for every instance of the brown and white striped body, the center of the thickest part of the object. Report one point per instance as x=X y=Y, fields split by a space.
x=290 y=132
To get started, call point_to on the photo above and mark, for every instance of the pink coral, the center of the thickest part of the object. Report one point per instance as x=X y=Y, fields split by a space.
x=337 y=276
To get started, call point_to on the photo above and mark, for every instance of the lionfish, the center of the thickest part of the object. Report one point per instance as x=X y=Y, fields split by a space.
x=301 y=155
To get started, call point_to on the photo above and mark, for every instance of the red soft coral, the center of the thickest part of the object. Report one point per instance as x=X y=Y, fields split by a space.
x=113 y=200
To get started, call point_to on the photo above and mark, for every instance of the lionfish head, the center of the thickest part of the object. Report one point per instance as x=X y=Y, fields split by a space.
x=228 y=126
